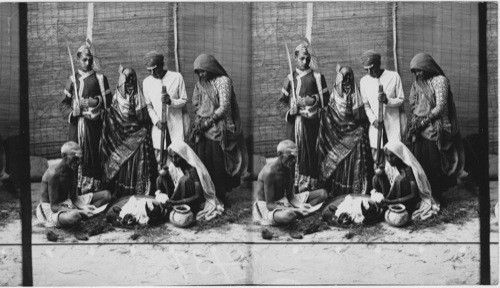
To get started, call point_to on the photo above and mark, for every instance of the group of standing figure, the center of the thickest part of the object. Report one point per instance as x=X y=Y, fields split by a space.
x=333 y=138
x=120 y=141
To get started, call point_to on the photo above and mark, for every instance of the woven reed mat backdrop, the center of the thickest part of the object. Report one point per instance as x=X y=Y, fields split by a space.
x=249 y=40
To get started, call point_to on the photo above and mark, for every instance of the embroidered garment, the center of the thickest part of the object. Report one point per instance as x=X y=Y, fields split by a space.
x=86 y=129
x=217 y=147
x=440 y=140
x=303 y=127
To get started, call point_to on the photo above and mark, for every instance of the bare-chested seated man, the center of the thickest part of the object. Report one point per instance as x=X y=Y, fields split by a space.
x=59 y=205
x=276 y=202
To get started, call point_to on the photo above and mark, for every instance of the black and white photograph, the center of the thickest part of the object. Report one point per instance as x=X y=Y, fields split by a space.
x=249 y=143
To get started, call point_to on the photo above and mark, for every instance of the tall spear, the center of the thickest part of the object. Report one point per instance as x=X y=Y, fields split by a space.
x=293 y=104
x=76 y=102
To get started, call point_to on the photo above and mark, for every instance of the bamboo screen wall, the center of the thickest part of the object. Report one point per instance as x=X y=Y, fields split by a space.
x=248 y=39
x=341 y=31
x=122 y=34
x=9 y=69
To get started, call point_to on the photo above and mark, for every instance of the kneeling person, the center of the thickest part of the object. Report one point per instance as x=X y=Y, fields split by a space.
x=187 y=181
x=404 y=182
x=59 y=205
x=276 y=202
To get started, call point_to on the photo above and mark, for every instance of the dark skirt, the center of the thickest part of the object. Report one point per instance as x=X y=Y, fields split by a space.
x=212 y=156
x=429 y=157
x=344 y=153
x=136 y=175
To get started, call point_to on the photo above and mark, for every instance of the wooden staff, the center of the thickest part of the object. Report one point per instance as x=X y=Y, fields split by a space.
x=380 y=126
x=164 y=130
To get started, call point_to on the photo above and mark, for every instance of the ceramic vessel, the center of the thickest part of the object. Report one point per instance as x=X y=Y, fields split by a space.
x=396 y=215
x=181 y=216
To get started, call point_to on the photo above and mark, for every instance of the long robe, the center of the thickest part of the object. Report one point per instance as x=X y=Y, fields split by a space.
x=86 y=128
x=303 y=127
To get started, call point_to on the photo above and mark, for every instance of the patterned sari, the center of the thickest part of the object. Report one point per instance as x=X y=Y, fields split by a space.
x=127 y=154
x=345 y=161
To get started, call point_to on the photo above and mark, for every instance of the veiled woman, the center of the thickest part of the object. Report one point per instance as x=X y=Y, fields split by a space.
x=346 y=164
x=127 y=154
x=433 y=130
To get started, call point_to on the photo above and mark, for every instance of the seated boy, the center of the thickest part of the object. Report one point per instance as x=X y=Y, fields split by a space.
x=277 y=203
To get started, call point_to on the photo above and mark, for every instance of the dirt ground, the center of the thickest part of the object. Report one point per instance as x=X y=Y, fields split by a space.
x=444 y=251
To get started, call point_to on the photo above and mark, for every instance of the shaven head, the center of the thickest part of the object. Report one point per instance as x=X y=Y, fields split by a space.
x=71 y=148
x=287 y=153
x=287 y=146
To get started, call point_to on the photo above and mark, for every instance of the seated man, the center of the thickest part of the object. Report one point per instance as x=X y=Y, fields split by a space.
x=185 y=180
x=405 y=182
x=277 y=203
x=59 y=205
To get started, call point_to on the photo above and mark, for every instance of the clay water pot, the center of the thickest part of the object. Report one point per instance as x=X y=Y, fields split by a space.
x=396 y=215
x=181 y=216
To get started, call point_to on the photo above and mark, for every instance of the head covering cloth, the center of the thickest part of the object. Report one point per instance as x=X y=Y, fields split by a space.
x=208 y=63
x=213 y=206
x=452 y=164
x=428 y=205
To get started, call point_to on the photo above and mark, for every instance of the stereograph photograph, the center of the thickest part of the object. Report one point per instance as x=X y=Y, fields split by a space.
x=248 y=143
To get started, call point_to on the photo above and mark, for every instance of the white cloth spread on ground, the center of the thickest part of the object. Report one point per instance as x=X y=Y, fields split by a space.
x=137 y=208
x=428 y=205
x=212 y=206
x=177 y=115
x=352 y=207
x=263 y=216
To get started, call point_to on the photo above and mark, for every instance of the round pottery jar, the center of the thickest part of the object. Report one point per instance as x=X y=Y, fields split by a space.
x=181 y=216
x=396 y=215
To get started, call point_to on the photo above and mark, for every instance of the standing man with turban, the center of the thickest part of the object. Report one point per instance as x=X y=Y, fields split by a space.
x=303 y=122
x=433 y=130
x=394 y=117
x=217 y=126
x=83 y=112
x=174 y=95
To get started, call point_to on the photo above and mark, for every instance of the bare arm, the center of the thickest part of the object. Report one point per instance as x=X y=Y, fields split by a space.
x=413 y=193
x=269 y=190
